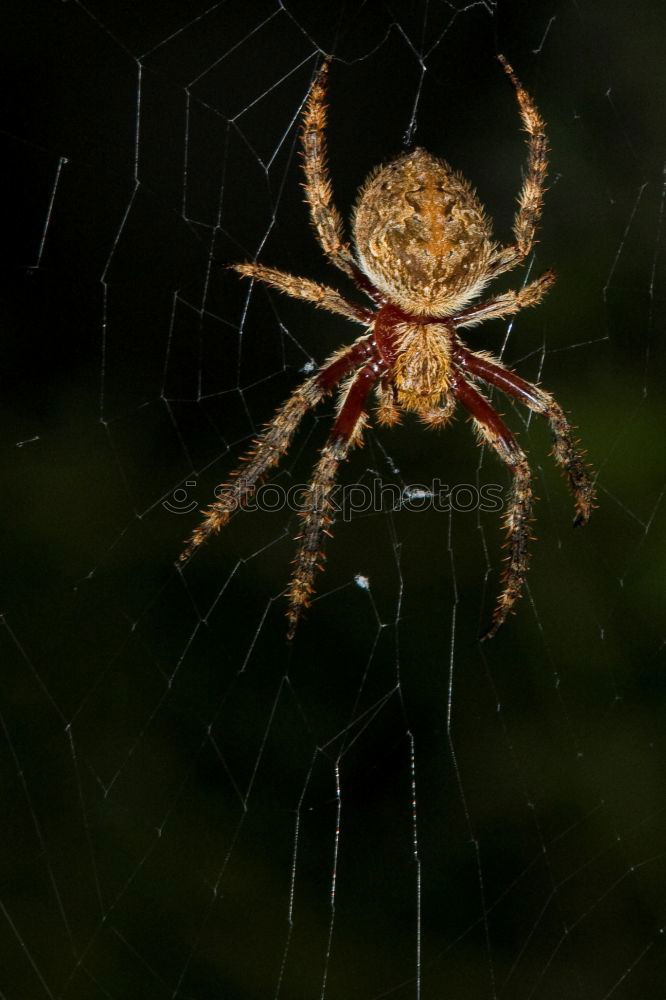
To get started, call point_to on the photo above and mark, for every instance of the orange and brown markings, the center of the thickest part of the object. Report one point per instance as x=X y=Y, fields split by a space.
x=422 y=234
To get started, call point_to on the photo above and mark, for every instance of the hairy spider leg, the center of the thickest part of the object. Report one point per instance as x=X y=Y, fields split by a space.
x=307 y=290
x=565 y=452
x=530 y=199
x=318 y=514
x=269 y=447
x=494 y=431
x=325 y=217
x=506 y=304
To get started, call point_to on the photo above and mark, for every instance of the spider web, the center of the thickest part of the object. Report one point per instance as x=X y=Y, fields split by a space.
x=387 y=808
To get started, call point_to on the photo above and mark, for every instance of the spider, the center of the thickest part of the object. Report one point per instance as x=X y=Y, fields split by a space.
x=423 y=251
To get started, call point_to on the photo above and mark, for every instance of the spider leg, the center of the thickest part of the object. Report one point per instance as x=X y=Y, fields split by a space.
x=268 y=448
x=363 y=282
x=494 y=431
x=318 y=513
x=325 y=217
x=304 y=288
x=506 y=304
x=530 y=199
x=565 y=452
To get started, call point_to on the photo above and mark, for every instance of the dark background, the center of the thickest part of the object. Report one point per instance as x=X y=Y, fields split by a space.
x=191 y=808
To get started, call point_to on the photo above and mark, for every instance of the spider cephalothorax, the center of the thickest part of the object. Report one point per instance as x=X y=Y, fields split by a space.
x=424 y=252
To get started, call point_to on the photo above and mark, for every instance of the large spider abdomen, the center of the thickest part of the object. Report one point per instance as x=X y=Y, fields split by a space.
x=421 y=234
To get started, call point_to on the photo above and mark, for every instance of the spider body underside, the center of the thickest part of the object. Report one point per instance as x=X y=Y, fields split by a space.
x=424 y=253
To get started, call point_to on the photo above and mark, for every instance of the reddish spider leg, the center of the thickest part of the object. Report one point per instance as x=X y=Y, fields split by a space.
x=318 y=513
x=565 y=452
x=365 y=285
x=494 y=431
x=268 y=448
